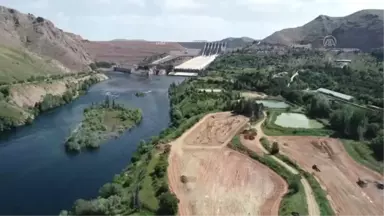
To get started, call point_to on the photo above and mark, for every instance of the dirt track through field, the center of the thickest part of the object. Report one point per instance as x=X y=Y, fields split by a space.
x=216 y=179
x=255 y=145
x=338 y=174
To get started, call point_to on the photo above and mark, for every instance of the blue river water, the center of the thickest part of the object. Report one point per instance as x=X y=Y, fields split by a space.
x=37 y=176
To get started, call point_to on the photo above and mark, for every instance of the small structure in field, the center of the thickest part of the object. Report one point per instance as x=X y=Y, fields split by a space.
x=337 y=95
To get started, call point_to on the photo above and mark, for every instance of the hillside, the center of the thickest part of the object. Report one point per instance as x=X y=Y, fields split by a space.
x=127 y=52
x=363 y=30
x=36 y=36
x=232 y=43
x=19 y=65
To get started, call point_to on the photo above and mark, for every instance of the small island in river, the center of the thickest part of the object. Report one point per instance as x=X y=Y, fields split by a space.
x=139 y=94
x=101 y=122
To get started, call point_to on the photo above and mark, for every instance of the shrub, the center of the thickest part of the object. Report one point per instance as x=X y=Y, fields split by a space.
x=110 y=189
x=162 y=189
x=183 y=179
x=135 y=157
x=5 y=91
x=93 y=66
x=160 y=169
x=71 y=145
x=275 y=148
x=265 y=143
x=93 y=207
x=40 y=19
x=167 y=204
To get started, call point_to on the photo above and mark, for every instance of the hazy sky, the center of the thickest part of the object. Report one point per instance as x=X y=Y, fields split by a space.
x=183 y=20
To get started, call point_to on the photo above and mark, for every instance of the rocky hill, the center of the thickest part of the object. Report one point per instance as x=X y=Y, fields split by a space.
x=37 y=36
x=363 y=30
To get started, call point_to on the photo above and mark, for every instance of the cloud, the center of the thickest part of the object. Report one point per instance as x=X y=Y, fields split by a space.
x=176 y=5
x=39 y=4
x=184 y=20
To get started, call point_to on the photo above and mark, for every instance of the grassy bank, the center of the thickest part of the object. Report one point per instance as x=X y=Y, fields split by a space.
x=271 y=129
x=18 y=65
x=362 y=154
x=294 y=200
x=101 y=122
x=11 y=115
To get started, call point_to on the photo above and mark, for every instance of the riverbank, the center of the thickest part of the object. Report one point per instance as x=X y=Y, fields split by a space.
x=45 y=162
x=143 y=186
x=101 y=122
x=21 y=103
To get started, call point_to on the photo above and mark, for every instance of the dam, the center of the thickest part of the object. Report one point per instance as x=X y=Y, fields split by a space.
x=198 y=64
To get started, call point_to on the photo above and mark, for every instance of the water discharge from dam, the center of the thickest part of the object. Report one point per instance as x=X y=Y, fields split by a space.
x=38 y=177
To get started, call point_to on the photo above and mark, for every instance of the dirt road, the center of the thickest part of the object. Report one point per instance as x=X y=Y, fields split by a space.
x=217 y=180
x=255 y=145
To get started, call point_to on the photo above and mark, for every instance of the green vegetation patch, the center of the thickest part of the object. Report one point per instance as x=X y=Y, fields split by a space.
x=101 y=122
x=361 y=153
x=10 y=116
x=17 y=65
x=139 y=94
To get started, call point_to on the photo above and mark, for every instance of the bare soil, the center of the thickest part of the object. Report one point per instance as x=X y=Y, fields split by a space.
x=128 y=52
x=218 y=180
x=216 y=130
x=257 y=147
x=338 y=174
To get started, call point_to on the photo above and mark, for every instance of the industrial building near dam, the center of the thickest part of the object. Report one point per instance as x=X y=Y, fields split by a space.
x=190 y=62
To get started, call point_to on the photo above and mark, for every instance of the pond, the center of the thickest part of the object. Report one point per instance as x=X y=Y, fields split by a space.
x=273 y=104
x=296 y=120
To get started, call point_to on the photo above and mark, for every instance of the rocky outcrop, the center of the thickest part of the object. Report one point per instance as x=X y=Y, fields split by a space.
x=362 y=30
x=40 y=36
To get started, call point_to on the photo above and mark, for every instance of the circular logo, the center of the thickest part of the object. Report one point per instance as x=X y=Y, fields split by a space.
x=329 y=41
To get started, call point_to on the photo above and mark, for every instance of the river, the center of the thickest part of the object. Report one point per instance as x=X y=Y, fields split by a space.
x=38 y=177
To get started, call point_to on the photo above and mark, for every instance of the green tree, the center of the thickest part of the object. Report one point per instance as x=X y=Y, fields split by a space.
x=358 y=124
x=93 y=66
x=167 y=204
x=110 y=189
x=377 y=145
x=93 y=207
x=275 y=148
x=319 y=106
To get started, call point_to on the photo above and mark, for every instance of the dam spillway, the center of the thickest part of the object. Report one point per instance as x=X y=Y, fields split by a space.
x=207 y=55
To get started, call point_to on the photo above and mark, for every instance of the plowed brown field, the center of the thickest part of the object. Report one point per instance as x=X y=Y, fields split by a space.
x=338 y=174
x=216 y=179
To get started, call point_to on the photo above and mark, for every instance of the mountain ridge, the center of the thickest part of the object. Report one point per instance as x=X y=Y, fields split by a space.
x=38 y=35
x=362 y=29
